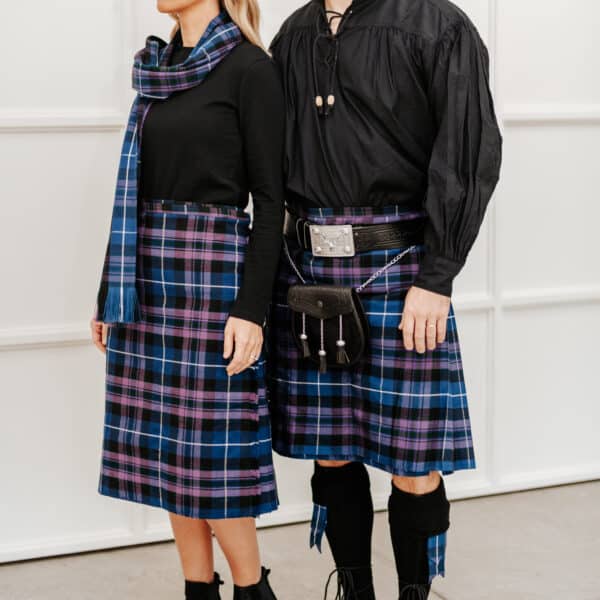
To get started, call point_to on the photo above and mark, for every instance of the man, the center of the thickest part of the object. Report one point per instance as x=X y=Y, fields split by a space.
x=392 y=154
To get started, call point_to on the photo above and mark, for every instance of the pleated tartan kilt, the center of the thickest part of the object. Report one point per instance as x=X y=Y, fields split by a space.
x=178 y=432
x=397 y=410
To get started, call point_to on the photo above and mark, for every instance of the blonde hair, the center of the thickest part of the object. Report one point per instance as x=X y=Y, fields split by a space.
x=245 y=14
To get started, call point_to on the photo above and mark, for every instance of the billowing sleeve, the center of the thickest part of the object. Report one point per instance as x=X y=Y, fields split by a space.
x=465 y=162
x=262 y=124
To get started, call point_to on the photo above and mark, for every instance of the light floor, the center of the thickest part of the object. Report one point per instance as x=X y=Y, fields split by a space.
x=539 y=544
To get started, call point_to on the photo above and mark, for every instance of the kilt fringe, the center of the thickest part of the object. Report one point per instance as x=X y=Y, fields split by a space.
x=318 y=525
x=436 y=554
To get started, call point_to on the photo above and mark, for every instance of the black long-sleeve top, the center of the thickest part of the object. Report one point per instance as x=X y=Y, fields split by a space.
x=215 y=144
x=413 y=122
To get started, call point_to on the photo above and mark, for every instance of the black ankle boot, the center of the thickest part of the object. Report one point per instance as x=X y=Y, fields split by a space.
x=346 y=585
x=259 y=591
x=196 y=590
x=414 y=591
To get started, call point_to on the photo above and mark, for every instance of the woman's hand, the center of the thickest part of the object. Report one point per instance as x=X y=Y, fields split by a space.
x=244 y=340
x=99 y=334
x=424 y=319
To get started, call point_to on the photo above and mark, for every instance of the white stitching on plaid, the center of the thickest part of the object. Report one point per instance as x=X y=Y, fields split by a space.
x=198 y=285
x=226 y=444
x=385 y=315
x=133 y=145
x=164 y=347
x=169 y=439
x=168 y=360
x=366 y=389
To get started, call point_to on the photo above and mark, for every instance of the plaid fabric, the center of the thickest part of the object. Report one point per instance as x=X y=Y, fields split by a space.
x=154 y=80
x=179 y=433
x=397 y=410
x=436 y=555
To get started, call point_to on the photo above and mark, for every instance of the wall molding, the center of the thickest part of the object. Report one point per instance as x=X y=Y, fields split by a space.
x=542 y=114
x=288 y=515
x=61 y=120
x=550 y=296
x=44 y=336
x=69 y=334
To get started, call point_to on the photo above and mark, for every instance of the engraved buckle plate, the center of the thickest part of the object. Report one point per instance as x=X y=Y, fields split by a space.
x=332 y=240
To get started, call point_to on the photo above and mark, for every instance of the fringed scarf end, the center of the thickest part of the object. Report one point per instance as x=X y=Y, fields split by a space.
x=121 y=306
x=318 y=525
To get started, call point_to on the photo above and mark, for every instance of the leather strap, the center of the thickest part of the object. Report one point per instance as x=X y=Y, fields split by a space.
x=366 y=237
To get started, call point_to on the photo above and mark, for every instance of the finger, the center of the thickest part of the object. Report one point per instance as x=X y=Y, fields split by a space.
x=228 y=342
x=250 y=359
x=408 y=331
x=255 y=349
x=248 y=355
x=255 y=354
x=441 y=330
x=104 y=334
x=259 y=347
x=431 y=333
x=420 y=335
x=239 y=356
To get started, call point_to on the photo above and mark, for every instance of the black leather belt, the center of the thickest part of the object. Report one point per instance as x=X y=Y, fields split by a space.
x=346 y=240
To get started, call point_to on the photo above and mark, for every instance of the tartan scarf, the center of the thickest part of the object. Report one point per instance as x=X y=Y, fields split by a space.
x=154 y=80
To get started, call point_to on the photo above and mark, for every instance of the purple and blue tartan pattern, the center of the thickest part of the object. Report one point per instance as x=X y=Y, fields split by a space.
x=436 y=555
x=153 y=79
x=178 y=432
x=396 y=410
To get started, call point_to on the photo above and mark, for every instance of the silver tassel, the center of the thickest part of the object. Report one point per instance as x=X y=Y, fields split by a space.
x=341 y=355
x=322 y=352
x=304 y=338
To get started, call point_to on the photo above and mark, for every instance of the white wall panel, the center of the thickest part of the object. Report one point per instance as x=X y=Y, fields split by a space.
x=56 y=191
x=527 y=303
x=69 y=58
x=548 y=407
x=549 y=211
x=549 y=51
x=49 y=443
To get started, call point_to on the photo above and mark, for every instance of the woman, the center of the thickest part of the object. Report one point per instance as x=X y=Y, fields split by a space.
x=185 y=289
x=392 y=155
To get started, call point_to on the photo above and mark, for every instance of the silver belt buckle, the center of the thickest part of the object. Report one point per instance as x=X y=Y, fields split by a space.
x=332 y=240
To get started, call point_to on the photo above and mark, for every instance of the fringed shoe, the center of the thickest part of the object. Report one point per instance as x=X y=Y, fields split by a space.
x=346 y=590
x=414 y=591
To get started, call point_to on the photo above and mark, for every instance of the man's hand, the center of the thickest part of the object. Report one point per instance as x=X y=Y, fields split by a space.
x=244 y=340
x=424 y=319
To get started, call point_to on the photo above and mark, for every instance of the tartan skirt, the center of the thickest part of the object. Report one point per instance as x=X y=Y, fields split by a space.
x=397 y=410
x=178 y=432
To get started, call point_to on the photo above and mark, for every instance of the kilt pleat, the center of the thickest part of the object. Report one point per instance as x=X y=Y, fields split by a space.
x=178 y=432
x=397 y=410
